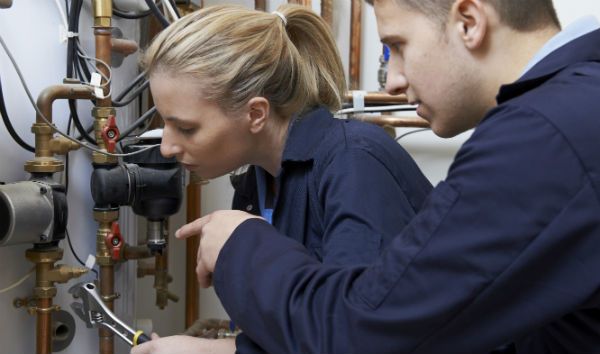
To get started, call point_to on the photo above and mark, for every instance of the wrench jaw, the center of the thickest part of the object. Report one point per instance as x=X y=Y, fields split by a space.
x=94 y=313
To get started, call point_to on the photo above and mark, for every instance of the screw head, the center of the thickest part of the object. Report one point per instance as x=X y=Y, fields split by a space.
x=111 y=134
x=115 y=241
x=43 y=190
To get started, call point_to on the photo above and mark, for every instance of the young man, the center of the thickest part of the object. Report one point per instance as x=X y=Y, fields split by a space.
x=504 y=254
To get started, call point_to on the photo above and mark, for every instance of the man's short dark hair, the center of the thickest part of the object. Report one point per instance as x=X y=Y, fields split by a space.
x=521 y=15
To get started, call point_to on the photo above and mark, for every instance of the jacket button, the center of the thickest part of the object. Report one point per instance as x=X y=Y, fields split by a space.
x=249 y=207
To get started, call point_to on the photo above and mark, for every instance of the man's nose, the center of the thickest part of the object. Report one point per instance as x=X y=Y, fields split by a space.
x=396 y=82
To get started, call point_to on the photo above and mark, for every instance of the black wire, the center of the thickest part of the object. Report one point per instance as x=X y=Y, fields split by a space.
x=138 y=91
x=9 y=126
x=82 y=131
x=75 y=254
x=131 y=85
x=159 y=16
x=149 y=114
x=412 y=132
x=131 y=15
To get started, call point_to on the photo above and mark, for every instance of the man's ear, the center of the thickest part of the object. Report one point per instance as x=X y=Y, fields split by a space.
x=258 y=109
x=470 y=20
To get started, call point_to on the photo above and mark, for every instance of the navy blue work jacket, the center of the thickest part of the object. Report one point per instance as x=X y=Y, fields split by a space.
x=507 y=249
x=345 y=188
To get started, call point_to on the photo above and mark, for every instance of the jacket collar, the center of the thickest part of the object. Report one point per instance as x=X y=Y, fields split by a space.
x=582 y=49
x=305 y=134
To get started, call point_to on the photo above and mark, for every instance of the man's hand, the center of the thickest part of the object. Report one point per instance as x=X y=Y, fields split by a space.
x=185 y=345
x=214 y=230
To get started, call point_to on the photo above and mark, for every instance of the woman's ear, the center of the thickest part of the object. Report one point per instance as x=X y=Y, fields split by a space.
x=258 y=109
x=470 y=19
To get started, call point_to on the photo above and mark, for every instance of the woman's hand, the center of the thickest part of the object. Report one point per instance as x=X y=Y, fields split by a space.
x=185 y=345
x=214 y=230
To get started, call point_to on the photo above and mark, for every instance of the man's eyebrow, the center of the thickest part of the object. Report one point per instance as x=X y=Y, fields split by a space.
x=387 y=39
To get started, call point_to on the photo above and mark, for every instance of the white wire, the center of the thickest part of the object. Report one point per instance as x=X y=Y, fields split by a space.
x=18 y=282
x=39 y=112
x=62 y=14
x=378 y=109
x=170 y=9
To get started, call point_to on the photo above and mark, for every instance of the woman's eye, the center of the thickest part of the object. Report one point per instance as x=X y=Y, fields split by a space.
x=186 y=131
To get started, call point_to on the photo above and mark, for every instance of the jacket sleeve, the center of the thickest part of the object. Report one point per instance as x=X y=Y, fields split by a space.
x=362 y=205
x=504 y=246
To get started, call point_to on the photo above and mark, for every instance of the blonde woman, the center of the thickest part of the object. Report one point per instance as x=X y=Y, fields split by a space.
x=240 y=87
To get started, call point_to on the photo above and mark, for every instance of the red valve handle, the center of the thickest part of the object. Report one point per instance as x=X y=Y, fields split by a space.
x=110 y=134
x=114 y=241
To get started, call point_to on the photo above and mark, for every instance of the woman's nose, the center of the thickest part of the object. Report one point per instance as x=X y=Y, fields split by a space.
x=168 y=146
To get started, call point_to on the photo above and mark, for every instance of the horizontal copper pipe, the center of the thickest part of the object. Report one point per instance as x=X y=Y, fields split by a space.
x=64 y=91
x=379 y=98
x=123 y=46
x=392 y=121
x=136 y=252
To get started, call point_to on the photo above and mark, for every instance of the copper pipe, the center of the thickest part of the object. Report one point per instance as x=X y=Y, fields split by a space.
x=107 y=291
x=103 y=52
x=46 y=275
x=43 y=325
x=355 y=43
x=65 y=91
x=123 y=46
x=327 y=11
x=379 y=98
x=136 y=252
x=260 y=5
x=392 y=121
x=193 y=212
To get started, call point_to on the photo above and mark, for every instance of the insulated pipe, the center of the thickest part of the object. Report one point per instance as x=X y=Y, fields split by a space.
x=355 y=43
x=192 y=293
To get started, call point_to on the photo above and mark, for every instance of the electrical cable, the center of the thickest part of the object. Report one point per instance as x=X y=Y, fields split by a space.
x=412 y=132
x=169 y=6
x=131 y=85
x=159 y=16
x=138 y=122
x=138 y=91
x=395 y=108
x=18 y=282
x=175 y=9
x=9 y=126
x=76 y=256
x=43 y=117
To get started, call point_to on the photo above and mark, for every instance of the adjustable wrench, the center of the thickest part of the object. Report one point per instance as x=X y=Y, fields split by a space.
x=94 y=313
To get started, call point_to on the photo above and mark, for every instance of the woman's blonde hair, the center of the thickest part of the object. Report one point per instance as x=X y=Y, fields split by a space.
x=237 y=53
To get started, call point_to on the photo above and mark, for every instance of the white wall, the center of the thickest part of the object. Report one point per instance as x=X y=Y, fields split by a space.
x=30 y=29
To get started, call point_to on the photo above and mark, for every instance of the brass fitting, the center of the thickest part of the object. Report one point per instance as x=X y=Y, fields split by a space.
x=47 y=273
x=61 y=145
x=44 y=161
x=101 y=115
x=105 y=220
x=102 y=13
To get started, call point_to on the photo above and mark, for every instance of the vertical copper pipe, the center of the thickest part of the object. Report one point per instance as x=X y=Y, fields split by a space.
x=103 y=52
x=355 y=43
x=327 y=11
x=192 y=293
x=44 y=326
x=260 y=5
x=107 y=288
